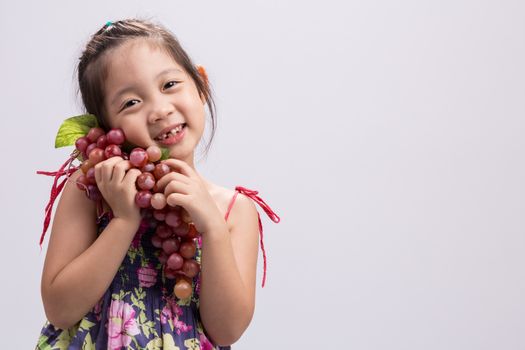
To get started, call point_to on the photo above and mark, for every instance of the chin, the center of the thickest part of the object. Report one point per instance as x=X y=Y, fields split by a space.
x=176 y=154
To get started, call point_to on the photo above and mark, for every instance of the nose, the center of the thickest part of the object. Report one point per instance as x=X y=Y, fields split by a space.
x=161 y=108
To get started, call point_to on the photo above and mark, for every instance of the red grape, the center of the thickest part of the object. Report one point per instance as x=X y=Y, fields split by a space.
x=143 y=199
x=93 y=193
x=161 y=169
x=94 y=133
x=82 y=182
x=149 y=167
x=86 y=165
x=90 y=147
x=181 y=230
x=102 y=142
x=138 y=157
x=187 y=249
x=96 y=155
x=112 y=151
x=158 y=201
x=182 y=289
x=172 y=218
x=170 y=245
x=90 y=176
x=156 y=241
x=191 y=268
x=160 y=215
x=145 y=181
x=115 y=136
x=81 y=144
x=175 y=261
x=154 y=153
x=163 y=231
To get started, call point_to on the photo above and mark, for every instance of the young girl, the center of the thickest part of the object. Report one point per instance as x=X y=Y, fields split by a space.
x=102 y=284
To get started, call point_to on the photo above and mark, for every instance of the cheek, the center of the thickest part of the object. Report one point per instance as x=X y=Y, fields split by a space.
x=194 y=109
x=131 y=131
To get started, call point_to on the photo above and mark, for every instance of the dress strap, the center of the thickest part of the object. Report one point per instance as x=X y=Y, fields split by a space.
x=274 y=217
x=230 y=206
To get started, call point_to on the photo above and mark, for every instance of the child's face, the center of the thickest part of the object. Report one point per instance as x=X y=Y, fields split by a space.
x=161 y=95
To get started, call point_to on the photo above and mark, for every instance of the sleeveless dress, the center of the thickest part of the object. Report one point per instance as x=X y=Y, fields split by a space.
x=139 y=310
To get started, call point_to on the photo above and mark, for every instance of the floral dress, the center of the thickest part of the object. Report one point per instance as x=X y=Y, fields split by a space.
x=139 y=310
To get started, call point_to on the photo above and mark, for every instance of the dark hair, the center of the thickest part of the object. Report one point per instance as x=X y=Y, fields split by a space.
x=92 y=67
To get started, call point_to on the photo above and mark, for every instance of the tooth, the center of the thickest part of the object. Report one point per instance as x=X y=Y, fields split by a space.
x=173 y=131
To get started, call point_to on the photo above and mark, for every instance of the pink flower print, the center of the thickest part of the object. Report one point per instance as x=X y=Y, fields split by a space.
x=147 y=276
x=122 y=325
x=198 y=285
x=172 y=311
x=165 y=314
x=205 y=343
x=98 y=309
x=181 y=326
x=143 y=227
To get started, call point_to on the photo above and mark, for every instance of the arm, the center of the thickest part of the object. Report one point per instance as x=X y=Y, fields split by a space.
x=229 y=263
x=229 y=259
x=79 y=267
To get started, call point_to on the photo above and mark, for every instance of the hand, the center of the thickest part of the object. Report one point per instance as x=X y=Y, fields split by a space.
x=116 y=181
x=184 y=187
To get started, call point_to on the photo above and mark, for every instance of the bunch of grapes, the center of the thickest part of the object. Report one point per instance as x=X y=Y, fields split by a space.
x=175 y=233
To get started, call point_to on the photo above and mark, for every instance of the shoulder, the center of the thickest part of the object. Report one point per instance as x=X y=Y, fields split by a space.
x=243 y=210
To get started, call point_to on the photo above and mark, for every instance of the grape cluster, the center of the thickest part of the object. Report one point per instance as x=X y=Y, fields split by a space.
x=175 y=233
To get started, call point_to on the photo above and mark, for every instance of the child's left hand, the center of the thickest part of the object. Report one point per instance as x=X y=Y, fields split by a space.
x=185 y=188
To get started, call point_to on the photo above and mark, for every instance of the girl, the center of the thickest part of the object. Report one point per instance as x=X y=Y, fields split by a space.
x=102 y=283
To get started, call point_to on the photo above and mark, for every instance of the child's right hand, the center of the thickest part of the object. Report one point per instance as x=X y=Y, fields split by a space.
x=116 y=181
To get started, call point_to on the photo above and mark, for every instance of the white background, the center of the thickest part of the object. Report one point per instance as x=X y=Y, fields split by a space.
x=388 y=135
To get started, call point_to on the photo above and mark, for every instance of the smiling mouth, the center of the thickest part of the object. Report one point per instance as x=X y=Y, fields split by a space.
x=170 y=133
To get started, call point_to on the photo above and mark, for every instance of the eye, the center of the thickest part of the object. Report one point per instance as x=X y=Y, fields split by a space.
x=127 y=104
x=171 y=84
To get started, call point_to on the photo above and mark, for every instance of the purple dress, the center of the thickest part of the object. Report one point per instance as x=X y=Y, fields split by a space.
x=139 y=310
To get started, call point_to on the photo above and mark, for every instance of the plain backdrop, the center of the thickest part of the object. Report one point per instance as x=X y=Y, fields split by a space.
x=387 y=135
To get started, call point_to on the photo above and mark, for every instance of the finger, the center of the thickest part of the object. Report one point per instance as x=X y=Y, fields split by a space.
x=176 y=187
x=104 y=169
x=130 y=178
x=108 y=167
x=180 y=165
x=119 y=170
x=175 y=199
x=173 y=176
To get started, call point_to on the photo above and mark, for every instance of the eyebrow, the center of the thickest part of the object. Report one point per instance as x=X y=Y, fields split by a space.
x=132 y=87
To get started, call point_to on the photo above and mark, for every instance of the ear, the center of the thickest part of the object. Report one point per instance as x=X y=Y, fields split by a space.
x=204 y=77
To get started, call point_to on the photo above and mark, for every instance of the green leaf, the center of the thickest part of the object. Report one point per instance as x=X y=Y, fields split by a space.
x=88 y=343
x=154 y=344
x=145 y=329
x=192 y=344
x=165 y=153
x=134 y=300
x=85 y=324
x=73 y=128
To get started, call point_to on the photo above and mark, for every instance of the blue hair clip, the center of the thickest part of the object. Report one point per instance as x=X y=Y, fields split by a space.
x=108 y=23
